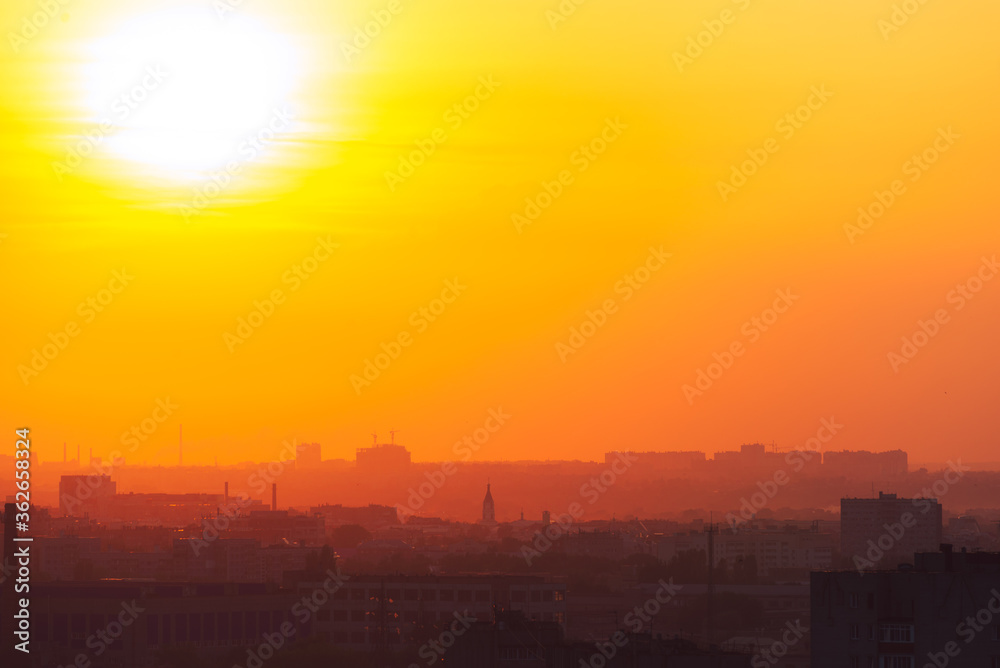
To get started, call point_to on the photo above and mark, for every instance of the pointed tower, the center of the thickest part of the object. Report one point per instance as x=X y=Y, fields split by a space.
x=489 y=516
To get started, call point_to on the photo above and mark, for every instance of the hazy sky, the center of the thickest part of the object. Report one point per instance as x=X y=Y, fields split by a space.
x=613 y=120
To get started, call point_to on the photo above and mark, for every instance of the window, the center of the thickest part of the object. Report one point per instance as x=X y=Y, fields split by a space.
x=447 y=594
x=42 y=627
x=181 y=627
x=153 y=630
x=871 y=632
x=996 y=633
x=194 y=627
x=896 y=633
x=995 y=662
x=464 y=595
x=60 y=627
x=223 y=622
x=896 y=661
x=411 y=594
x=517 y=596
x=855 y=662
x=482 y=595
x=358 y=594
x=853 y=599
x=237 y=626
x=855 y=632
x=340 y=615
x=520 y=654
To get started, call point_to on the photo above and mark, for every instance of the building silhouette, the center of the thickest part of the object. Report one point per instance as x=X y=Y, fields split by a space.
x=489 y=511
x=883 y=532
x=939 y=611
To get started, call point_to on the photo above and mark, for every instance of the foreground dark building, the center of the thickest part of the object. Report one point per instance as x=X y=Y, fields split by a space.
x=943 y=610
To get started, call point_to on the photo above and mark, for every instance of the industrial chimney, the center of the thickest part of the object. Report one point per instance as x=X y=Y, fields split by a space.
x=274 y=496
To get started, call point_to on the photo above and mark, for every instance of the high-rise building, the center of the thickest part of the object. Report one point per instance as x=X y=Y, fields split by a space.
x=489 y=512
x=852 y=464
x=941 y=611
x=76 y=492
x=887 y=531
x=383 y=458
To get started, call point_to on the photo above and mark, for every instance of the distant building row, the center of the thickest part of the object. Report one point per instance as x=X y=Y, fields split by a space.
x=755 y=456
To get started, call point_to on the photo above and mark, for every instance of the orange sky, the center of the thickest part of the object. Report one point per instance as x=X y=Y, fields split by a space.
x=666 y=123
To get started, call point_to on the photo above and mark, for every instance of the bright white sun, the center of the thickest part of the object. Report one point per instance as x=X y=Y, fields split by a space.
x=187 y=91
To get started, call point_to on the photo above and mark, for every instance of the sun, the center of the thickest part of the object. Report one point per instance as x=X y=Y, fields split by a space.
x=186 y=91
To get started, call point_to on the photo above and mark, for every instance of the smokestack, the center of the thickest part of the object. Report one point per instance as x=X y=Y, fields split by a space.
x=227 y=494
x=274 y=496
